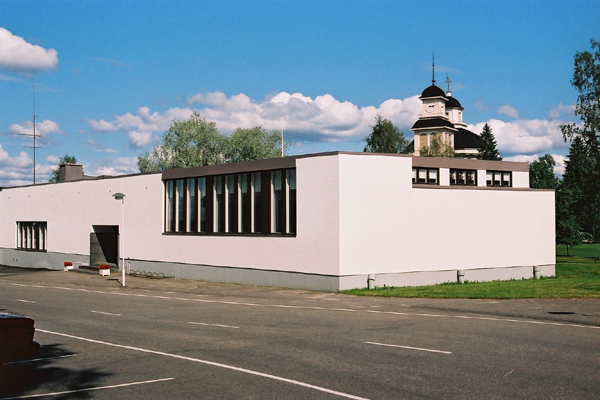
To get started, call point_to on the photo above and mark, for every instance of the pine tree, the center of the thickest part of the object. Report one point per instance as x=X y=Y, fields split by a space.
x=488 y=150
x=582 y=172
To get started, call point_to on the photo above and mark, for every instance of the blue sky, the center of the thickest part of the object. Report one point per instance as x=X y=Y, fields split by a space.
x=111 y=75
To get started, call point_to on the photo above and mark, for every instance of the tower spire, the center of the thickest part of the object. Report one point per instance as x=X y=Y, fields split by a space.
x=433 y=68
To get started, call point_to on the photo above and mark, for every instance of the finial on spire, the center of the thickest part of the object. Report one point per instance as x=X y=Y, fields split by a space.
x=433 y=68
x=448 y=81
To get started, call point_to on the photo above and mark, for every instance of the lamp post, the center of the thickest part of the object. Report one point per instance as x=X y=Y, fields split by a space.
x=121 y=196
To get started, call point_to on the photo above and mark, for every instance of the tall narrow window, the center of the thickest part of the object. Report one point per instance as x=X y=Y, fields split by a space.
x=244 y=204
x=232 y=222
x=202 y=203
x=219 y=216
x=291 y=183
x=277 y=208
x=192 y=207
x=256 y=202
x=170 y=206
x=180 y=205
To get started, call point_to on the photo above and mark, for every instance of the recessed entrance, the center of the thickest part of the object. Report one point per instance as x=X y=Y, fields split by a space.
x=104 y=245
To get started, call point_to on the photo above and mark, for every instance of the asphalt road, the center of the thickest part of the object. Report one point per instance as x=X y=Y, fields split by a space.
x=157 y=339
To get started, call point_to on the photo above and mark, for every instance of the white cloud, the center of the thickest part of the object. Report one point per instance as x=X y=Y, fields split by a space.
x=508 y=111
x=559 y=168
x=99 y=147
x=53 y=159
x=562 y=110
x=112 y=166
x=42 y=128
x=323 y=118
x=525 y=136
x=18 y=55
x=481 y=107
x=140 y=139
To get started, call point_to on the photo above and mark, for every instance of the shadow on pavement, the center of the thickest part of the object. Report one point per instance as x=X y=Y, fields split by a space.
x=42 y=373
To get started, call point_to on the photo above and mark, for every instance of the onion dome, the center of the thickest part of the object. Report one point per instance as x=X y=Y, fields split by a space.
x=433 y=91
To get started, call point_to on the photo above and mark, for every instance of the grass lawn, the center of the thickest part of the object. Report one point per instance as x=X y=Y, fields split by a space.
x=577 y=276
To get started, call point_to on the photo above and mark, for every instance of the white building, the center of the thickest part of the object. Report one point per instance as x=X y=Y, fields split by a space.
x=323 y=221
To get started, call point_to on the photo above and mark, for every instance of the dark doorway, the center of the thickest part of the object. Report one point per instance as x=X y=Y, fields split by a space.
x=104 y=245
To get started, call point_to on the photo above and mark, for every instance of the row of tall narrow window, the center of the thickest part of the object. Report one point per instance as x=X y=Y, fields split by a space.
x=262 y=202
x=466 y=177
x=32 y=235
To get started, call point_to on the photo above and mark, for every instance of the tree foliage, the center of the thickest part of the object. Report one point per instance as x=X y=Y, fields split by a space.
x=582 y=169
x=437 y=148
x=254 y=143
x=568 y=230
x=197 y=142
x=385 y=137
x=67 y=159
x=541 y=173
x=488 y=150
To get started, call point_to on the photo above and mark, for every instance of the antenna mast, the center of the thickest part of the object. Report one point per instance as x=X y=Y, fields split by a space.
x=282 y=136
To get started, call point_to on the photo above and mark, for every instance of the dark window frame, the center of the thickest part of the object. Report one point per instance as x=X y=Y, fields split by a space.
x=456 y=181
x=498 y=178
x=427 y=180
x=32 y=235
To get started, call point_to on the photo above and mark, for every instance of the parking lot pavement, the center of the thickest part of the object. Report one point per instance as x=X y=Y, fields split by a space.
x=576 y=311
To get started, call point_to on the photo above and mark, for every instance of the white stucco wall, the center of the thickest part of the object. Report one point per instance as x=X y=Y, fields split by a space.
x=71 y=208
x=387 y=226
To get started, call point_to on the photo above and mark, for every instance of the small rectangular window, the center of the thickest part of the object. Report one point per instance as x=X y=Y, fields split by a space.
x=291 y=182
x=32 y=236
x=499 y=178
x=426 y=175
x=466 y=177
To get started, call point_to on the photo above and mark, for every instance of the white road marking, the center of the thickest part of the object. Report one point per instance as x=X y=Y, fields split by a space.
x=87 y=389
x=212 y=363
x=39 y=359
x=104 y=313
x=406 y=314
x=220 y=326
x=25 y=301
x=410 y=348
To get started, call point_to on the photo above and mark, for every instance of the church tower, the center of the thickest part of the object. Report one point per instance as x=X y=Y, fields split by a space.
x=434 y=118
x=443 y=115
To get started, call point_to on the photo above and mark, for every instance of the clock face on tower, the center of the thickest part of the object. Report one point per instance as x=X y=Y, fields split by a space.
x=430 y=108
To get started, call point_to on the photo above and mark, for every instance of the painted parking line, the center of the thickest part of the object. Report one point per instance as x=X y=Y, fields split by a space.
x=217 y=325
x=25 y=301
x=31 y=396
x=330 y=309
x=211 y=363
x=105 y=313
x=410 y=348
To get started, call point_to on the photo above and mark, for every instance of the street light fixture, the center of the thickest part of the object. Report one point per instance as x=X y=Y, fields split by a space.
x=121 y=196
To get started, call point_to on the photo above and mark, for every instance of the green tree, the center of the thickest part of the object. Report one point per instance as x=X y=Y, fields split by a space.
x=568 y=230
x=190 y=143
x=196 y=142
x=67 y=159
x=582 y=170
x=254 y=143
x=488 y=150
x=541 y=173
x=385 y=137
x=437 y=148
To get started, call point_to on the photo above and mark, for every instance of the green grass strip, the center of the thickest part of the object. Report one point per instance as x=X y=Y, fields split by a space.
x=577 y=276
